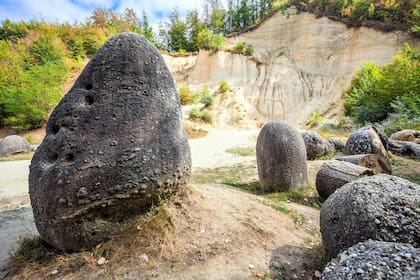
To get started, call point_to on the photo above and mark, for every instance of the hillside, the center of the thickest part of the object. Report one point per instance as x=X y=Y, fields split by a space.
x=293 y=70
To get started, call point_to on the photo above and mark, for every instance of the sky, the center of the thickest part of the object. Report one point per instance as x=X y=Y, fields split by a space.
x=78 y=10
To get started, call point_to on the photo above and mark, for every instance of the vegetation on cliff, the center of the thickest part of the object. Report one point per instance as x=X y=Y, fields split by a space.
x=37 y=57
x=388 y=94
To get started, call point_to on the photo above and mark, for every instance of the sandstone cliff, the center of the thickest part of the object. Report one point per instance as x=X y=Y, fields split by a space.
x=300 y=63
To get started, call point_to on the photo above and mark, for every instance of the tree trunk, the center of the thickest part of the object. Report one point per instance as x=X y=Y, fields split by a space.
x=372 y=161
x=334 y=174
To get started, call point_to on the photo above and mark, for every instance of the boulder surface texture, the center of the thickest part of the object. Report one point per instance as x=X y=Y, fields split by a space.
x=281 y=157
x=367 y=140
x=316 y=146
x=13 y=144
x=375 y=260
x=114 y=146
x=380 y=207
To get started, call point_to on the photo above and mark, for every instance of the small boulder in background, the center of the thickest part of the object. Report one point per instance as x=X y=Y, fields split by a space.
x=408 y=135
x=316 y=146
x=375 y=260
x=339 y=145
x=367 y=140
x=13 y=144
x=281 y=157
x=380 y=207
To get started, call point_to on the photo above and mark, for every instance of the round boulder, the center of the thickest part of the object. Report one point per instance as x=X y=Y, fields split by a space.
x=380 y=207
x=367 y=140
x=316 y=146
x=375 y=260
x=13 y=144
x=114 y=147
x=281 y=157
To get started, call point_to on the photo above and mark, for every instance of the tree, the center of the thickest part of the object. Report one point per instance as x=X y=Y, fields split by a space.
x=177 y=32
x=147 y=29
x=194 y=26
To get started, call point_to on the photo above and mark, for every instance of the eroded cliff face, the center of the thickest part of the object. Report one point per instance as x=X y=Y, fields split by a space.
x=300 y=64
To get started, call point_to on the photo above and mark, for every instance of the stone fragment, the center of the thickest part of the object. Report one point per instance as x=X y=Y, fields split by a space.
x=114 y=147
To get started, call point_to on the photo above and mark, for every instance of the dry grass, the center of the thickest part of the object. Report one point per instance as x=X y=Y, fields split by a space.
x=406 y=168
x=194 y=133
x=242 y=151
x=150 y=234
x=19 y=156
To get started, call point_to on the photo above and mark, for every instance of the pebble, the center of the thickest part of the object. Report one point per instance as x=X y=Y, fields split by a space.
x=101 y=261
x=144 y=258
x=251 y=266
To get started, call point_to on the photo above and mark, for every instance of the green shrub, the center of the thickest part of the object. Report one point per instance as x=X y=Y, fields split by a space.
x=206 y=98
x=315 y=119
x=223 y=86
x=186 y=96
x=374 y=89
x=388 y=94
x=207 y=116
x=242 y=48
x=195 y=113
x=207 y=40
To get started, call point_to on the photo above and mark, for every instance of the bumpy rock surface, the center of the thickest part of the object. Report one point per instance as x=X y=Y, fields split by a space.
x=381 y=207
x=115 y=145
x=335 y=174
x=316 y=146
x=339 y=145
x=13 y=144
x=367 y=140
x=375 y=260
x=281 y=157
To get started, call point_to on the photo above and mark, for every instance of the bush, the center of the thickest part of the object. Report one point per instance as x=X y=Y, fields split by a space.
x=206 y=98
x=207 y=40
x=315 y=119
x=186 y=96
x=390 y=94
x=195 y=113
x=204 y=115
x=207 y=116
x=223 y=86
x=242 y=48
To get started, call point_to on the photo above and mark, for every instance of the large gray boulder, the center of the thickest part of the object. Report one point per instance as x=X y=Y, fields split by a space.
x=367 y=140
x=13 y=144
x=114 y=147
x=380 y=207
x=316 y=146
x=281 y=157
x=375 y=260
